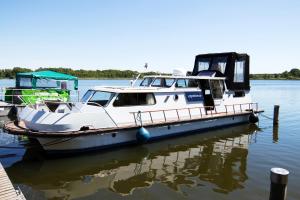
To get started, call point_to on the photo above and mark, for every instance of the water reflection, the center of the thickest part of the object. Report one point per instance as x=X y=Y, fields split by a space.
x=218 y=158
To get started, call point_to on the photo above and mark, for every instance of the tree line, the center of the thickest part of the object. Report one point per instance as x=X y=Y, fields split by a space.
x=293 y=74
x=81 y=73
x=113 y=73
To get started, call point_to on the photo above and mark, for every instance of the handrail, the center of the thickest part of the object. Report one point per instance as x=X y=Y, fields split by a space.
x=211 y=108
x=194 y=107
x=13 y=88
x=3 y=95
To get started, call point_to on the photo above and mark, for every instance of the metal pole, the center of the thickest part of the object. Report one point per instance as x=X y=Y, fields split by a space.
x=177 y=114
x=276 y=114
x=151 y=116
x=165 y=116
x=279 y=180
x=78 y=97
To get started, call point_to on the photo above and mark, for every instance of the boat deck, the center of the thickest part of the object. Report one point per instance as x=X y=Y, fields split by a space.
x=7 y=190
x=19 y=128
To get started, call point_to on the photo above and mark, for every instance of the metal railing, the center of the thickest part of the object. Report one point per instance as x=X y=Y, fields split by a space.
x=203 y=111
x=13 y=96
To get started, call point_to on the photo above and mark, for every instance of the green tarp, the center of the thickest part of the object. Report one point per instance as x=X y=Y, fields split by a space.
x=45 y=75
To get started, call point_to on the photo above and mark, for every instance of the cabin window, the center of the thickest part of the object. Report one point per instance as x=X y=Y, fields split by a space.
x=219 y=64
x=163 y=82
x=193 y=83
x=239 y=71
x=157 y=82
x=169 y=82
x=99 y=98
x=203 y=64
x=184 y=83
x=134 y=99
x=146 y=82
x=25 y=82
x=181 y=83
x=47 y=83
x=217 y=88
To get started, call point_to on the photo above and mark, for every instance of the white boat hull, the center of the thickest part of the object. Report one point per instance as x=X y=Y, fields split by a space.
x=126 y=136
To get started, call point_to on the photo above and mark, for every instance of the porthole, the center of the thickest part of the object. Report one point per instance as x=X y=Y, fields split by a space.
x=113 y=135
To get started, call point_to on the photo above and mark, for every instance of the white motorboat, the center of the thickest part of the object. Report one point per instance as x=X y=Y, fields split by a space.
x=215 y=94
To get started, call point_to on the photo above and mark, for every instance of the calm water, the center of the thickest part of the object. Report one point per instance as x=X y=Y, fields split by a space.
x=229 y=163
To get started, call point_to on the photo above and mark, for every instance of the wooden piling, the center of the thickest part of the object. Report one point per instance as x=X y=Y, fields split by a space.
x=275 y=134
x=279 y=180
x=276 y=115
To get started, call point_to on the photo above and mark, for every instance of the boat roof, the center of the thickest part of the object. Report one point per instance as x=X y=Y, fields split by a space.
x=128 y=89
x=144 y=89
x=47 y=74
x=187 y=77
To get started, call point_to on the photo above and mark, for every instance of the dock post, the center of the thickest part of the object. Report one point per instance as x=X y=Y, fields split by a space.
x=275 y=134
x=276 y=115
x=279 y=180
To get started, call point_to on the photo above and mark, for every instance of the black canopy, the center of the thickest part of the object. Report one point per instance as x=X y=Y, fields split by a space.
x=233 y=66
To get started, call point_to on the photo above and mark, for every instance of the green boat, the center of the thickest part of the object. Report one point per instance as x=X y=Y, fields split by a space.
x=41 y=86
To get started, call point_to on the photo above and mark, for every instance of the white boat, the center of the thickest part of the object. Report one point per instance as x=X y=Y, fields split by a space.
x=215 y=94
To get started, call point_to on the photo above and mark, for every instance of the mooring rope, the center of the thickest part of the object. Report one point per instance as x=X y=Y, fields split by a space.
x=270 y=118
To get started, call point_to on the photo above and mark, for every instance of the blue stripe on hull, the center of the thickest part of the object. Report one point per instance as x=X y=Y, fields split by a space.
x=118 y=145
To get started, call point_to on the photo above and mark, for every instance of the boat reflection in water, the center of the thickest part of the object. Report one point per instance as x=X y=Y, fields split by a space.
x=218 y=159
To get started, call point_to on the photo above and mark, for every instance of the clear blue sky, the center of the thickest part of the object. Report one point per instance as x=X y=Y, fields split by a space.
x=119 y=34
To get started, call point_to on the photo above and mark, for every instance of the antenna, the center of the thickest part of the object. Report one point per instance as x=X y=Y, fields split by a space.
x=132 y=82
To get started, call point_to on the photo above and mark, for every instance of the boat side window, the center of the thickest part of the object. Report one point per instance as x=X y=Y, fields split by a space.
x=239 y=71
x=146 y=82
x=217 y=88
x=193 y=83
x=134 y=99
x=47 y=83
x=100 y=98
x=203 y=64
x=181 y=83
x=219 y=64
x=158 y=82
x=25 y=82
x=184 y=83
x=163 y=82
x=169 y=82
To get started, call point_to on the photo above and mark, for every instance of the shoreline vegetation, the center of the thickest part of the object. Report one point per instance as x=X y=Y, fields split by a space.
x=293 y=74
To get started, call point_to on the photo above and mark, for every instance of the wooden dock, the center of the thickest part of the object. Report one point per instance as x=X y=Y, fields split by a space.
x=7 y=190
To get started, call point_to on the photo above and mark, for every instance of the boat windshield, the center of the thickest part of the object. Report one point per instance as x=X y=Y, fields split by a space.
x=97 y=98
x=87 y=96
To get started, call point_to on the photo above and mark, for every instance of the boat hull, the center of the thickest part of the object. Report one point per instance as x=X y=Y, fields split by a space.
x=116 y=138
